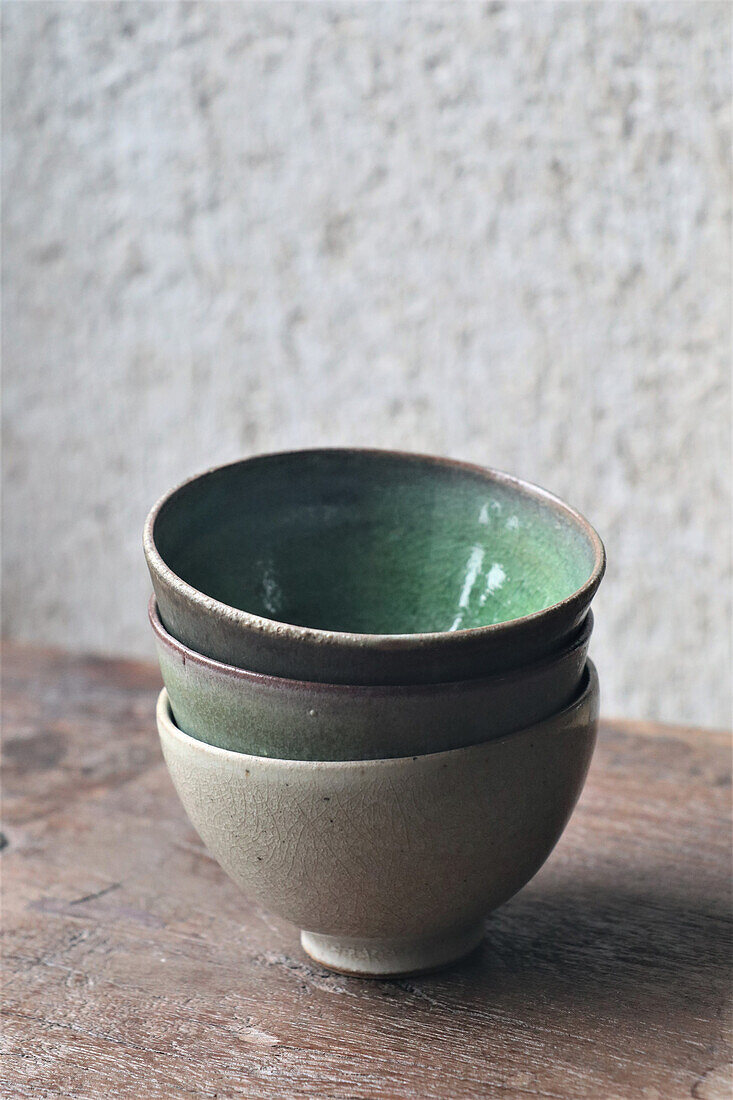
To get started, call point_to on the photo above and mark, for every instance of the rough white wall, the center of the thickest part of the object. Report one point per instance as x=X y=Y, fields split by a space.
x=495 y=231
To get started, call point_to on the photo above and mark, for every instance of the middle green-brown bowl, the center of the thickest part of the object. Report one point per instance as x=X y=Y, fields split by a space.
x=244 y=711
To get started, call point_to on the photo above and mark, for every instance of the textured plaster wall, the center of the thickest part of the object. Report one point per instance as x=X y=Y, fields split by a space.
x=496 y=231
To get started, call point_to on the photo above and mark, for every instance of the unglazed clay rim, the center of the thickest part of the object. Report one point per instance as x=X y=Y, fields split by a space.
x=347 y=639
x=582 y=638
x=164 y=717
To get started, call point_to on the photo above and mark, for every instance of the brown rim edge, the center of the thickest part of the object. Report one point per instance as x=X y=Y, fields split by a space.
x=581 y=638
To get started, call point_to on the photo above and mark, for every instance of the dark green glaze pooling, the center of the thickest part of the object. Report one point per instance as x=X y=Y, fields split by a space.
x=369 y=567
x=370 y=543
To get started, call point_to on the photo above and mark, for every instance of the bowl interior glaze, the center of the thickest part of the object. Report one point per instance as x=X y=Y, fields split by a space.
x=372 y=542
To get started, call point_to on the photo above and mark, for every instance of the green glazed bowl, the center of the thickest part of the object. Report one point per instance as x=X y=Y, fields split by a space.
x=369 y=567
x=388 y=866
x=300 y=720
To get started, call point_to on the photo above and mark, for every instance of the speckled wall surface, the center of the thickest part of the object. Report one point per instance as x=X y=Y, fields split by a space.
x=495 y=231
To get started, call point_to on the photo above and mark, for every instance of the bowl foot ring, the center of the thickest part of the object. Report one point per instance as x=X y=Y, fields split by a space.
x=390 y=958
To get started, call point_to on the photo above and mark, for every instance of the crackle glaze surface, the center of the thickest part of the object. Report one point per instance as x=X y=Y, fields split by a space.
x=295 y=719
x=405 y=854
x=354 y=566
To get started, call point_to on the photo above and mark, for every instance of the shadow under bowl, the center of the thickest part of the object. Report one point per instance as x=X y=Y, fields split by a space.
x=388 y=866
x=369 y=567
x=300 y=720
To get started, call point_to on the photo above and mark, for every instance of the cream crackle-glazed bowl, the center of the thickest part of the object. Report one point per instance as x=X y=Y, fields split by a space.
x=388 y=866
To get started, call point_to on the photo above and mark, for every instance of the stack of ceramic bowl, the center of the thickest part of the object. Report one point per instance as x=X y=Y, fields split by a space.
x=378 y=710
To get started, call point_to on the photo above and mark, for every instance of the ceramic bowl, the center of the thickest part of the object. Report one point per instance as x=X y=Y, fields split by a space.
x=387 y=866
x=369 y=567
x=301 y=720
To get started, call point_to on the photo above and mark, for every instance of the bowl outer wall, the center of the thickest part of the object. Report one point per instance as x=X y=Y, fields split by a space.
x=387 y=848
x=249 y=641
x=295 y=719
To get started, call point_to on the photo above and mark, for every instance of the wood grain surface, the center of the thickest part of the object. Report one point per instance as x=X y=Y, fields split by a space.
x=133 y=967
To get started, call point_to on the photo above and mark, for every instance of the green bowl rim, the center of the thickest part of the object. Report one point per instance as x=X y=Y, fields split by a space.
x=588 y=688
x=347 y=639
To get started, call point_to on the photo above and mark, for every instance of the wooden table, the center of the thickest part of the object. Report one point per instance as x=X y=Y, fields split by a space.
x=134 y=968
